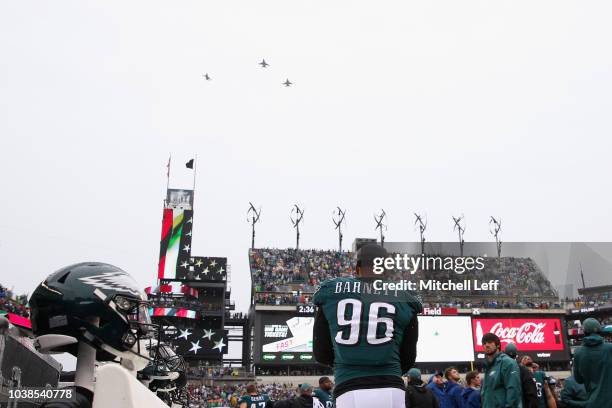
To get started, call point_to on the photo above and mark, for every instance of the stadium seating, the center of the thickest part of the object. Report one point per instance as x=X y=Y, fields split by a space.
x=289 y=276
x=11 y=304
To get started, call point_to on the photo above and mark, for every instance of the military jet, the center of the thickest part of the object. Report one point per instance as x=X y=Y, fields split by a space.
x=263 y=63
x=206 y=77
x=287 y=83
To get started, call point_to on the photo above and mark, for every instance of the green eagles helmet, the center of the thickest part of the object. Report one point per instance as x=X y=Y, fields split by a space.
x=65 y=302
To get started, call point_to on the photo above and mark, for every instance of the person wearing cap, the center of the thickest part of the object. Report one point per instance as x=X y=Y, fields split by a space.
x=323 y=393
x=417 y=394
x=502 y=381
x=593 y=365
x=470 y=395
x=368 y=336
x=528 y=385
x=438 y=388
x=303 y=400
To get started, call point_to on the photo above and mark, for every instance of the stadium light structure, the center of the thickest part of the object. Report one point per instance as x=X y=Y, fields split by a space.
x=254 y=213
x=299 y=216
x=422 y=226
x=495 y=228
x=460 y=228
x=338 y=223
x=380 y=225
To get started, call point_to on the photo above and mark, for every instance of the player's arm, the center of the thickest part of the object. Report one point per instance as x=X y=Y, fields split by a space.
x=322 y=346
x=551 y=402
x=409 y=343
x=243 y=404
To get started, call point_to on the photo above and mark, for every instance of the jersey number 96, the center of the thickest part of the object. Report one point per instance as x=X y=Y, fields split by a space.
x=350 y=326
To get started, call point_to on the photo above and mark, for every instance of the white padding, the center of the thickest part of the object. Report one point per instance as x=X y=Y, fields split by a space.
x=117 y=388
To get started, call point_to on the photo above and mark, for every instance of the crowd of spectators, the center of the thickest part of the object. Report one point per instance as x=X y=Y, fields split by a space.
x=13 y=304
x=289 y=276
x=208 y=372
x=282 y=371
x=286 y=270
x=575 y=332
x=202 y=396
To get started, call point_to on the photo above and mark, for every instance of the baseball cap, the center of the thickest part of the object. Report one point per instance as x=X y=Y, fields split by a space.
x=366 y=254
x=591 y=326
x=511 y=350
x=414 y=373
x=305 y=387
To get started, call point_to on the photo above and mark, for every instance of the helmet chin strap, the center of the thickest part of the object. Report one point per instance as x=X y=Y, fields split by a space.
x=86 y=361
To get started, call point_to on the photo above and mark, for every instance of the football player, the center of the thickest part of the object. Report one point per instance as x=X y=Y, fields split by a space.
x=253 y=399
x=368 y=336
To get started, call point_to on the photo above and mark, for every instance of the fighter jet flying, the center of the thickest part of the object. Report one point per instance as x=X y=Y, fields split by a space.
x=287 y=83
x=263 y=63
x=206 y=77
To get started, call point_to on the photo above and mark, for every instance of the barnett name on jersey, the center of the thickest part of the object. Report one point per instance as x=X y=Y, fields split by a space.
x=369 y=337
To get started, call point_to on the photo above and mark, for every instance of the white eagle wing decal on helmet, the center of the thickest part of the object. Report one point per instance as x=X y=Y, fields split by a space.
x=118 y=281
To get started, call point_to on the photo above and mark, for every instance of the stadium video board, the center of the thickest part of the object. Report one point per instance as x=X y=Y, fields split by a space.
x=541 y=338
x=286 y=338
x=283 y=337
x=436 y=333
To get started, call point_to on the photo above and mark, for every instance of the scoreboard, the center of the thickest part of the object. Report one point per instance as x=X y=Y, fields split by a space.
x=285 y=337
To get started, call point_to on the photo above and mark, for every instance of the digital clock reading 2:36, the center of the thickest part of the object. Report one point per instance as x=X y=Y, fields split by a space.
x=305 y=309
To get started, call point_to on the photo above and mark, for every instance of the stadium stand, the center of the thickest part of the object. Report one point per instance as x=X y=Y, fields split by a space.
x=13 y=304
x=289 y=276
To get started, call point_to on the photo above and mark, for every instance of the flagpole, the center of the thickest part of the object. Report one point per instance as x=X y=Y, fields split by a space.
x=167 y=179
x=195 y=162
x=168 y=174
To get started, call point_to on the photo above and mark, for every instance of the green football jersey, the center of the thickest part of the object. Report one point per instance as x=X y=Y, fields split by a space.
x=540 y=379
x=366 y=326
x=325 y=397
x=255 y=401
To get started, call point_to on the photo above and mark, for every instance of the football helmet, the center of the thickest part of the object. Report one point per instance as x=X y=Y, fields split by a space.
x=68 y=299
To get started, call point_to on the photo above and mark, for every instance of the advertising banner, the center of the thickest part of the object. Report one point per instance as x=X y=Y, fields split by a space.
x=542 y=338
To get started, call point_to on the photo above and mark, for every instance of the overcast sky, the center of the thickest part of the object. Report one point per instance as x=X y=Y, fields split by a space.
x=442 y=107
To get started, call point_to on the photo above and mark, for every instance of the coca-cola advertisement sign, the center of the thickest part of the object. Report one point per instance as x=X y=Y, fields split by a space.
x=536 y=334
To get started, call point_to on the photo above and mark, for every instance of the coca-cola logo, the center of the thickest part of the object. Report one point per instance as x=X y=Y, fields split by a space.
x=528 y=333
x=533 y=334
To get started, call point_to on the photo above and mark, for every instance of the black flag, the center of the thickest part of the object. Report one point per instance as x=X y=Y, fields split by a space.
x=189 y=164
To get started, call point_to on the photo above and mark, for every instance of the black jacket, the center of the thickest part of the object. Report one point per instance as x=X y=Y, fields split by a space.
x=419 y=396
x=530 y=391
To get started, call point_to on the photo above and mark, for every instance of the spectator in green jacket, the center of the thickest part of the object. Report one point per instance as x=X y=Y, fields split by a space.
x=502 y=382
x=593 y=366
x=573 y=394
